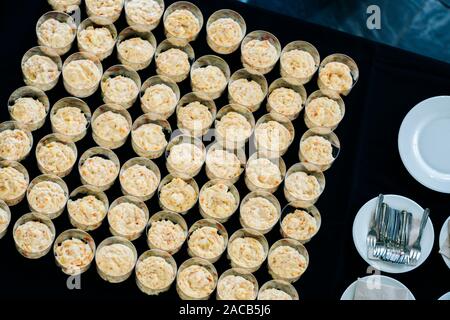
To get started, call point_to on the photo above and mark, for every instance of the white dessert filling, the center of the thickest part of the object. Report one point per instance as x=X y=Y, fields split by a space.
x=195 y=117
x=178 y=195
x=55 y=34
x=98 y=171
x=225 y=32
x=196 y=281
x=223 y=164
x=285 y=101
x=105 y=8
x=263 y=173
x=13 y=183
x=115 y=259
x=33 y=237
x=47 y=197
x=160 y=99
x=65 y=5
x=299 y=225
x=28 y=110
x=287 y=262
x=145 y=12
x=302 y=186
x=186 y=157
x=55 y=156
x=206 y=242
x=259 y=213
x=138 y=180
x=14 y=144
x=274 y=294
x=120 y=89
x=69 y=121
x=166 y=235
x=317 y=149
x=82 y=74
x=182 y=23
x=4 y=220
x=246 y=252
x=272 y=135
x=111 y=126
x=209 y=79
x=96 y=40
x=235 y=288
x=260 y=53
x=336 y=76
x=217 y=201
x=40 y=69
x=155 y=272
x=298 y=63
x=324 y=112
x=234 y=127
x=149 y=137
x=136 y=50
x=173 y=62
x=246 y=92
x=74 y=254
x=127 y=219
x=87 y=210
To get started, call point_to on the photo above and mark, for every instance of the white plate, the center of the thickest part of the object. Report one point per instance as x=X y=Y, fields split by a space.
x=445 y=296
x=423 y=143
x=442 y=237
x=361 y=228
x=349 y=293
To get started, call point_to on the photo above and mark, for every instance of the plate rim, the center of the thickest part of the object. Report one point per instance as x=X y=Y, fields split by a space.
x=402 y=149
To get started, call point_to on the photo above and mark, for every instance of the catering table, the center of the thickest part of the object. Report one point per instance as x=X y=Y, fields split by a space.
x=391 y=82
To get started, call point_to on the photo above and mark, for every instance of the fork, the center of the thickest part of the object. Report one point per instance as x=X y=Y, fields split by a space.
x=371 y=239
x=415 y=250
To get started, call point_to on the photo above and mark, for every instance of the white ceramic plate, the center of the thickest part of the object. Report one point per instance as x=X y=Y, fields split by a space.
x=423 y=143
x=361 y=228
x=349 y=293
x=445 y=296
x=442 y=237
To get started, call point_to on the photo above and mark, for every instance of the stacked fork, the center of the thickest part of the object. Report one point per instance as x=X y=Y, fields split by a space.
x=389 y=233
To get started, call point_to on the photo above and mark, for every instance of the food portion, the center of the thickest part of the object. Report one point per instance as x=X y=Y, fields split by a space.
x=96 y=40
x=217 y=201
x=28 y=110
x=69 y=121
x=155 y=273
x=317 y=150
x=178 y=195
x=40 y=69
x=33 y=237
x=186 y=158
x=299 y=225
x=136 y=50
x=273 y=136
x=236 y=288
x=82 y=74
x=246 y=92
x=196 y=282
x=225 y=32
x=111 y=126
x=209 y=79
x=127 y=219
x=120 y=89
x=64 y=5
x=145 y=12
x=138 y=180
x=260 y=53
x=285 y=101
x=259 y=213
x=105 y=8
x=4 y=219
x=336 y=76
x=298 y=63
x=274 y=294
x=287 y=262
x=74 y=254
x=223 y=164
x=195 y=117
x=206 y=243
x=166 y=235
x=98 y=171
x=173 y=62
x=246 y=252
x=234 y=127
x=55 y=157
x=263 y=173
x=55 y=34
x=324 y=112
x=159 y=99
x=87 y=210
x=149 y=137
x=182 y=23
x=13 y=183
x=302 y=186
x=14 y=144
x=115 y=259
x=47 y=197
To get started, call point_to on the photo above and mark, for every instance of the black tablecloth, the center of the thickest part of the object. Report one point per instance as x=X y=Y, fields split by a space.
x=391 y=82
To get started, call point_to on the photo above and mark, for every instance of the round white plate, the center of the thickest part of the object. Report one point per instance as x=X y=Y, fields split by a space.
x=445 y=296
x=442 y=237
x=361 y=228
x=423 y=143
x=349 y=293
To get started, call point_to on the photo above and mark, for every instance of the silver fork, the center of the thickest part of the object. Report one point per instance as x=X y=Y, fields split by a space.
x=415 y=250
x=371 y=239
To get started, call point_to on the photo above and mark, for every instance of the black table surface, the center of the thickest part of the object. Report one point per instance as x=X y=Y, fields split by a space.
x=391 y=82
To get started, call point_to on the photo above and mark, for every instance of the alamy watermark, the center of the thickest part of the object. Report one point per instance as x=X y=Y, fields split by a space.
x=373 y=21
